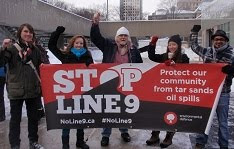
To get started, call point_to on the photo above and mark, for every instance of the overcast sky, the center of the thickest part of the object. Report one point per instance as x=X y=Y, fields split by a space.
x=148 y=5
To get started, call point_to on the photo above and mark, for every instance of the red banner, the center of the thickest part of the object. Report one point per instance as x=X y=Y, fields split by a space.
x=146 y=96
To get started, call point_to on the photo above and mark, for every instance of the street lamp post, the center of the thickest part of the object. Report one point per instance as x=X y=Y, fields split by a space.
x=107 y=12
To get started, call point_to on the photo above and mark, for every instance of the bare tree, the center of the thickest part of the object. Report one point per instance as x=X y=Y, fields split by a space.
x=87 y=13
x=145 y=15
x=102 y=9
x=114 y=13
x=170 y=6
x=61 y=5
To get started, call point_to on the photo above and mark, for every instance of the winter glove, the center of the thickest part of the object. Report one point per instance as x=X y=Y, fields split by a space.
x=88 y=62
x=60 y=29
x=196 y=28
x=154 y=40
x=228 y=69
x=96 y=18
x=169 y=62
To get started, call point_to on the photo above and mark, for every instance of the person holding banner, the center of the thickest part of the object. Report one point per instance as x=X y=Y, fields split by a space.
x=119 y=51
x=23 y=84
x=173 y=55
x=2 y=85
x=75 y=52
x=220 y=52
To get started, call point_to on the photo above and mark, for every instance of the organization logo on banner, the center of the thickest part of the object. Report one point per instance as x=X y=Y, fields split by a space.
x=170 y=118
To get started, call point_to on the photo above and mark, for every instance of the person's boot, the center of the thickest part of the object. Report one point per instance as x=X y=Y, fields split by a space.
x=65 y=141
x=154 y=139
x=81 y=144
x=168 y=140
x=105 y=141
x=126 y=137
x=199 y=146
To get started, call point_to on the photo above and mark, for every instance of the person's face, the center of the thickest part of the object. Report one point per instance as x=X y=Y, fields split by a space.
x=122 y=39
x=172 y=46
x=219 y=41
x=79 y=43
x=26 y=35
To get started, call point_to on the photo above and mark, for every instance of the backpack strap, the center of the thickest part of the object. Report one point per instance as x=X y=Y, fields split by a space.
x=30 y=63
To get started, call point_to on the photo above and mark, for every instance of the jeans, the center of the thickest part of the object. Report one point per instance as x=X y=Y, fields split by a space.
x=222 y=115
x=2 y=104
x=106 y=132
x=16 y=113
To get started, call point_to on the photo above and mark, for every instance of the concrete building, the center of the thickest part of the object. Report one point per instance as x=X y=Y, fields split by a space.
x=162 y=14
x=217 y=15
x=188 y=4
x=130 y=10
x=184 y=9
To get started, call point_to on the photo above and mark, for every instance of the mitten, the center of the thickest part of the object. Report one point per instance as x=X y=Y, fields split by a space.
x=169 y=62
x=154 y=40
x=228 y=69
x=60 y=29
x=88 y=62
x=196 y=28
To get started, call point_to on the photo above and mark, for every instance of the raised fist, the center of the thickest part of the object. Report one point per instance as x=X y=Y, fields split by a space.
x=154 y=40
x=6 y=43
x=60 y=29
x=196 y=28
x=96 y=18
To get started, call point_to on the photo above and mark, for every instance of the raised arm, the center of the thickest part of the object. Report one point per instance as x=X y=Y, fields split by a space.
x=151 y=50
x=199 y=50
x=95 y=34
x=52 y=45
x=5 y=54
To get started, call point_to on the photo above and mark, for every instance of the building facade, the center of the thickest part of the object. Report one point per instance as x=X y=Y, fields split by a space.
x=215 y=17
x=188 y=4
x=130 y=10
x=164 y=15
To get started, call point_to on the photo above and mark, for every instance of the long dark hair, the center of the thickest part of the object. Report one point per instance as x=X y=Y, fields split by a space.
x=30 y=28
x=177 y=57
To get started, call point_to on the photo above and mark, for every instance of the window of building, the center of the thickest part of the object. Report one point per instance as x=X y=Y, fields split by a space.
x=225 y=27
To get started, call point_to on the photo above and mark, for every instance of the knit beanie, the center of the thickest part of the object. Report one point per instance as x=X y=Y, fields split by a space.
x=122 y=31
x=176 y=39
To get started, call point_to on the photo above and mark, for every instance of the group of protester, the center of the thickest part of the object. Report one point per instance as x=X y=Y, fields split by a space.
x=22 y=59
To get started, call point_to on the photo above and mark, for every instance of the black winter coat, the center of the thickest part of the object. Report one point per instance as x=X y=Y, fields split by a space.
x=109 y=47
x=68 y=57
x=160 y=58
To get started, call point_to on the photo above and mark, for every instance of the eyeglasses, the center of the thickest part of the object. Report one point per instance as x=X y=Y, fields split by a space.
x=219 y=39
